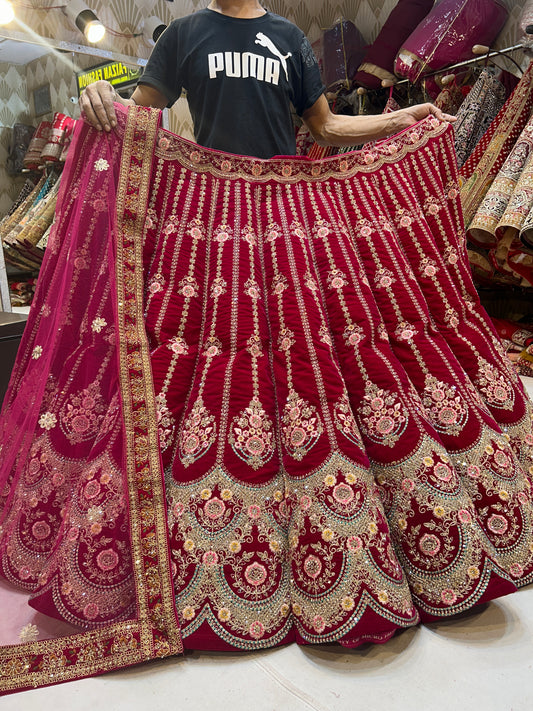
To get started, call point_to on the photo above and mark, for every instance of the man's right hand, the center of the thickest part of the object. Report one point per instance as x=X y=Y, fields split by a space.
x=96 y=102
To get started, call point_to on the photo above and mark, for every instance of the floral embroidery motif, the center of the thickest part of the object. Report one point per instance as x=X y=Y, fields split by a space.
x=212 y=347
x=47 y=420
x=188 y=287
x=325 y=336
x=251 y=288
x=353 y=335
x=151 y=218
x=101 y=165
x=37 y=352
x=405 y=331
x=165 y=422
x=254 y=346
x=252 y=435
x=384 y=278
x=198 y=433
x=444 y=405
x=178 y=345
x=383 y=417
x=403 y=218
x=451 y=256
x=345 y=421
x=432 y=206
x=302 y=426
x=83 y=414
x=364 y=228
x=98 y=324
x=156 y=284
x=223 y=233
x=272 y=232
x=310 y=282
x=29 y=633
x=321 y=229
x=196 y=229
x=451 y=317
x=248 y=235
x=218 y=287
x=279 y=284
x=336 y=279
x=286 y=339
x=428 y=267
x=494 y=386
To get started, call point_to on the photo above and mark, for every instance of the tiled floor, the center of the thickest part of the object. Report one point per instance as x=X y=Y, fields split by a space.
x=480 y=661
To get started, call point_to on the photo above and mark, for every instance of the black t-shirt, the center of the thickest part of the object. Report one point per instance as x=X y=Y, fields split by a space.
x=241 y=77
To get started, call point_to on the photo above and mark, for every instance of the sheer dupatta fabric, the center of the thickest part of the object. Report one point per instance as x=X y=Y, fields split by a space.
x=81 y=531
x=257 y=401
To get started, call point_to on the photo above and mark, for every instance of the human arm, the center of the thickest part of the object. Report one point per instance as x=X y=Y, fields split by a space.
x=96 y=102
x=329 y=129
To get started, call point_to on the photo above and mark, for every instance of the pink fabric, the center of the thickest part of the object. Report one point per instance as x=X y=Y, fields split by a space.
x=403 y=19
x=447 y=35
x=257 y=402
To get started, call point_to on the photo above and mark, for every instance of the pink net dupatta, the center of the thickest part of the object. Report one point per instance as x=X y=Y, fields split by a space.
x=81 y=535
x=298 y=347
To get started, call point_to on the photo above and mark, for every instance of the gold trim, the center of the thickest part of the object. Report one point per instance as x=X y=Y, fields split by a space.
x=159 y=627
x=376 y=71
x=293 y=169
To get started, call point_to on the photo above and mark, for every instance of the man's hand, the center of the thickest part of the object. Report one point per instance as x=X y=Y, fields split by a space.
x=404 y=118
x=96 y=102
x=330 y=129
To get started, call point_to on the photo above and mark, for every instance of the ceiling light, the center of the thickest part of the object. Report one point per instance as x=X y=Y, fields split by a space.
x=85 y=20
x=6 y=12
x=153 y=29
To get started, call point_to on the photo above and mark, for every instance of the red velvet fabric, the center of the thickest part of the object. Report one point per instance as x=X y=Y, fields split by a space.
x=260 y=402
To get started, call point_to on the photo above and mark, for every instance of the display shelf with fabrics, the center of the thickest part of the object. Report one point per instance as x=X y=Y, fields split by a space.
x=256 y=402
x=25 y=228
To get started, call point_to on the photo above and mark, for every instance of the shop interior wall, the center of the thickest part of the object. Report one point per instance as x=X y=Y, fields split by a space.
x=127 y=16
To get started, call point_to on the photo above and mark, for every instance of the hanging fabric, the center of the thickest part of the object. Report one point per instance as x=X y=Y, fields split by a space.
x=477 y=112
x=490 y=153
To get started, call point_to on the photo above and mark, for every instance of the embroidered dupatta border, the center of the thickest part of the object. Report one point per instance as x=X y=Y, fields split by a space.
x=151 y=556
x=155 y=631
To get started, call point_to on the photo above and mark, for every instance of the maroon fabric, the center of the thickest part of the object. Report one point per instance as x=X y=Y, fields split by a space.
x=260 y=400
x=403 y=19
x=448 y=34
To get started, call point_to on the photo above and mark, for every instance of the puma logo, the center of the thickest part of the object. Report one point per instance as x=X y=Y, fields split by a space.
x=249 y=64
x=265 y=41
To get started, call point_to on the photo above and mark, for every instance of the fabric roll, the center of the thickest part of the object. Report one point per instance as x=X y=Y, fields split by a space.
x=477 y=112
x=32 y=159
x=489 y=155
x=503 y=221
x=53 y=148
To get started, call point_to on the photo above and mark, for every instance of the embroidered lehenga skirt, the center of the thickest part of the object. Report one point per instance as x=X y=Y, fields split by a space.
x=256 y=402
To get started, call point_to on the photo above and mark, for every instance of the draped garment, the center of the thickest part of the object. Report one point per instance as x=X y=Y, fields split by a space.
x=257 y=401
x=490 y=153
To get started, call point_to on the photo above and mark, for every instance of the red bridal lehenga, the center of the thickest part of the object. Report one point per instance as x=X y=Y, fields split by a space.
x=256 y=402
